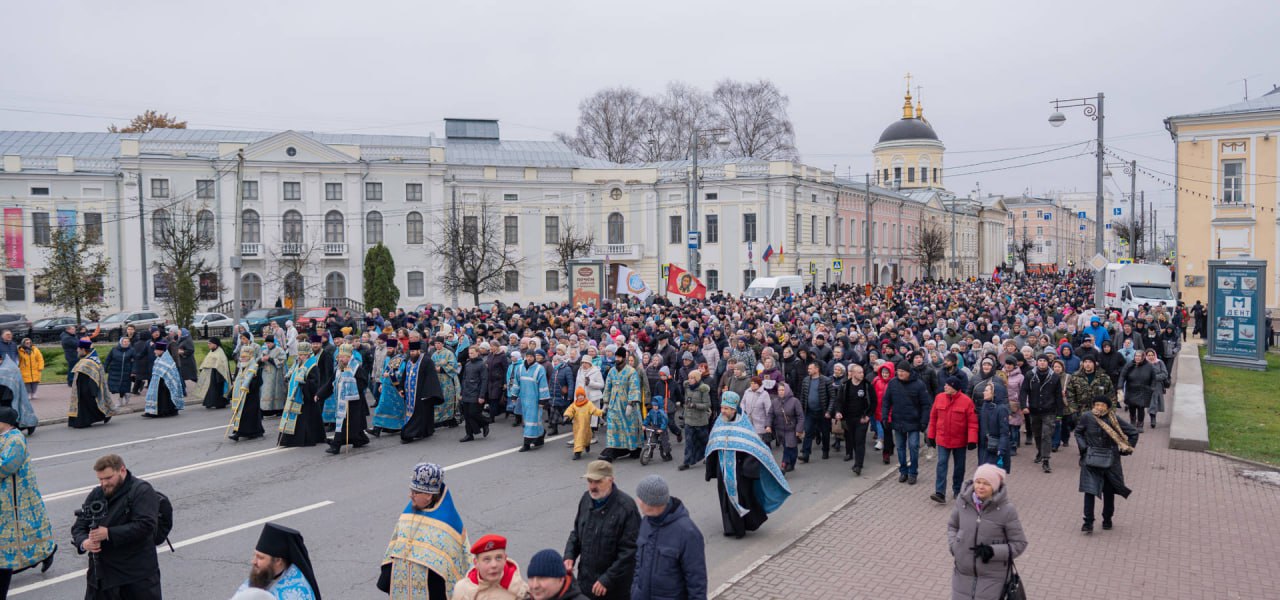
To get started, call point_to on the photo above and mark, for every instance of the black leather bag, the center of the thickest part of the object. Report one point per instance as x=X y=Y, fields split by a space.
x=1013 y=588
x=1098 y=457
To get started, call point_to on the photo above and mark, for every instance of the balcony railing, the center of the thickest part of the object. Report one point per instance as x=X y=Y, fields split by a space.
x=335 y=249
x=618 y=251
x=291 y=249
x=250 y=249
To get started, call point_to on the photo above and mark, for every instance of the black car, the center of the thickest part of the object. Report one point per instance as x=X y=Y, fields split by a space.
x=17 y=323
x=50 y=330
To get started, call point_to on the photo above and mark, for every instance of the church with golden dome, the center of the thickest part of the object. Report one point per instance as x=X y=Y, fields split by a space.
x=909 y=153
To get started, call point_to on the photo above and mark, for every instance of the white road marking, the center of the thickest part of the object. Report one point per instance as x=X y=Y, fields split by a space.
x=143 y=441
x=480 y=459
x=174 y=471
x=195 y=540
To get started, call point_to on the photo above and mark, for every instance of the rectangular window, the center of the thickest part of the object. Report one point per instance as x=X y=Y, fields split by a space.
x=712 y=234
x=553 y=280
x=1232 y=181
x=911 y=174
x=935 y=175
x=470 y=230
x=713 y=195
x=209 y=286
x=41 y=190
x=677 y=234
x=924 y=175
x=826 y=230
x=897 y=176
x=552 y=227
x=40 y=227
x=413 y=192
x=15 y=288
x=798 y=238
x=1039 y=230
x=417 y=287
x=293 y=190
x=511 y=229
x=813 y=229
x=511 y=281
x=749 y=227
x=249 y=190
x=373 y=191
x=748 y=275
x=204 y=189
x=713 y=280
x=333 y=191
x=510 y=197
x=1039 y=214
x=839 y=230
x=93 y=228
x=813 y=197
x=159 y=188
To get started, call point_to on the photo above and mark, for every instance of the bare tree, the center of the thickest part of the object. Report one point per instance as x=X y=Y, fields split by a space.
x=573 y=243
x=185 y=233
x=755 y=116
x=295 y=267
x=929 y=247
x=612 y=125
x=678 y=112
x=1135 y=237
x=1022 y=252
x=473 y=253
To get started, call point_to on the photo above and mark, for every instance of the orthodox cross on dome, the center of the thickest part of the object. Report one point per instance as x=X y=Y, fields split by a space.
x=906 y=101
x=920 y=102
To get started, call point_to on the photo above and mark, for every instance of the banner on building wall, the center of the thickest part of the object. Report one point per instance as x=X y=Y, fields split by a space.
x=66 y=218
x=13 y=246
x=586 y=283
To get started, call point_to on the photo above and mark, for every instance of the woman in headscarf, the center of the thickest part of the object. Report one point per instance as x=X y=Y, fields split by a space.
x=749 y=481
x=1111 y=362
x=13 y=394
x=1103 y=438
x=984 y=535
x=301 y=423
x=246 y=413
x=214 y=383
x=26 y=538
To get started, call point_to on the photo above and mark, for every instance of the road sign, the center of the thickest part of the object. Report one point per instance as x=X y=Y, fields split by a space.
x=1117 y=211
x=666 y=268
x=1048 y=216
x=1098 y=262
x=813 y=268
x=1108 y=226
x=693 y=240
x=1082 y=228
x=1081 y=214
x=837 y=265
x=1126 y=261
x=1173 y=254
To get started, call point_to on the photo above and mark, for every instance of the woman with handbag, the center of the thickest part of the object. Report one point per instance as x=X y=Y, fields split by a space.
x=984 y=535
x=1103 y=438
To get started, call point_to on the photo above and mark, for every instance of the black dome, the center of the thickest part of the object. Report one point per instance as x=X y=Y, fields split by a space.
x=908 y=129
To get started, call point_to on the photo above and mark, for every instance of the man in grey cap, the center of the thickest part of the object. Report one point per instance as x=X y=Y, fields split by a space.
x=667 y=531
x=603 y=539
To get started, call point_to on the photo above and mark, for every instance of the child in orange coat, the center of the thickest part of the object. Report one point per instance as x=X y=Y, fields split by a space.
x=580 y=412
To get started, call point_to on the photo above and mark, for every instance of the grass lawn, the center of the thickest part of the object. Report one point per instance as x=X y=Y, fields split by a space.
x=1244 y=410
x=55 y=367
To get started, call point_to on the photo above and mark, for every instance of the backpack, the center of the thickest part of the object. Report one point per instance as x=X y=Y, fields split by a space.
x=164 y=520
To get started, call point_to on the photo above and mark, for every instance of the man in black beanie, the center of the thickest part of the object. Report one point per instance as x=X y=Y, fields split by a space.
x=281 y=565
x=548 y=580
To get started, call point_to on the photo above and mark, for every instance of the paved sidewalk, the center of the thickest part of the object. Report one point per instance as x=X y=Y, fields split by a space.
x=1197 y=526
x=53 y=399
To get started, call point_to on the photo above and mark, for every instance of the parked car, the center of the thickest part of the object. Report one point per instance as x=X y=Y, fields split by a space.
x=435 y=307
x=50 y=330
x=259 y=319
x=211 y=324
x=113 y=326
x=17 y=323
x=312 y=315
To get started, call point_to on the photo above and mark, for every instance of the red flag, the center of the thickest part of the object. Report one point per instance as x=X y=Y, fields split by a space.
x=683 y=283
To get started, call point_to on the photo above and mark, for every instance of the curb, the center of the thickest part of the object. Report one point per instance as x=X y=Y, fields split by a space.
x=123 y=410
x=1252 y=463
x=804 y=533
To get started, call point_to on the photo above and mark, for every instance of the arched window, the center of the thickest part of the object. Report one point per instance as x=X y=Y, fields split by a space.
x=413 y=228
x=250 y=227
x=616 y=229
x=292 y=227
x=204 y=226
x=161 y=224
x=373 y=227
x=335 y=285
x=251 y=289
x=333 y=227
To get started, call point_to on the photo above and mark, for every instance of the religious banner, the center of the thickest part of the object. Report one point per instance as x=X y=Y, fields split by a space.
x=13 y=247
x=683 y=283
x=629 y=282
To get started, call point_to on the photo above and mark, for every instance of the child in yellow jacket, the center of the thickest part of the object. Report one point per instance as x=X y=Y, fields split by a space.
x=580 y=412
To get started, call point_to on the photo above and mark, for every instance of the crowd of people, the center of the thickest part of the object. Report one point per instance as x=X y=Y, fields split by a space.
x=752 y=388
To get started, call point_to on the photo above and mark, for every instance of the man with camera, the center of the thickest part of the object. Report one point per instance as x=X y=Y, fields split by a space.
x=116 y=527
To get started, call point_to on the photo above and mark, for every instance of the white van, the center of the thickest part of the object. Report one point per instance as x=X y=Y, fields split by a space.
x=774 y=287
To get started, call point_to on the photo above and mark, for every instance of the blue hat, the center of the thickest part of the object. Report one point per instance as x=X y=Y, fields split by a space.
x=730 y=399
x=546 y=563
x=428 y=478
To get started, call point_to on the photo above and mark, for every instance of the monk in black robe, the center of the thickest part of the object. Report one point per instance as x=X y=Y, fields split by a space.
x=345 y=387
x=421 y=389
x=308 y=428
x=91 y=402
x=246 y=393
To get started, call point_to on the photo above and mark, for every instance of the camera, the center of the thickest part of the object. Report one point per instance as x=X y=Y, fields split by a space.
x=93 y=511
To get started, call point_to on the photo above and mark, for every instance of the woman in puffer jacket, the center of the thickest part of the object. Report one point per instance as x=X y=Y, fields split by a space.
x=984 y=535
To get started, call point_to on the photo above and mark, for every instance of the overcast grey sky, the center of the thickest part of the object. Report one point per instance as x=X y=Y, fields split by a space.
x=988 y=69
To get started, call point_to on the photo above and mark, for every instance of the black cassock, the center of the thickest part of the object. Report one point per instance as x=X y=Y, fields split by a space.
x=251 y=412
x=88 y=412
x=748 y=472
x=213 y=397
x=309 y=429
x=357 y=415
x=164 y=402
x=426 y=398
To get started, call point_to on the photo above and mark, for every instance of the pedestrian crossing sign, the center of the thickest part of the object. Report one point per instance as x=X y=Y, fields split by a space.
x=813 y=268
x=837 y=265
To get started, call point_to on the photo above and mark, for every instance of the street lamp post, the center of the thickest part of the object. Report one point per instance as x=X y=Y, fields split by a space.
x=717 y=135
x=1092 y=108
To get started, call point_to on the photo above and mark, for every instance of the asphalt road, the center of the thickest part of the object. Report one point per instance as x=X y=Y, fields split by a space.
x=346 y=505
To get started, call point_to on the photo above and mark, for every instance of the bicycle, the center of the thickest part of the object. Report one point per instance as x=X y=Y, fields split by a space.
x=651 y=437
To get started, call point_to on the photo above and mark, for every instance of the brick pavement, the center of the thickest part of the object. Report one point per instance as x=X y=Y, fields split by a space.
x=1195 y=527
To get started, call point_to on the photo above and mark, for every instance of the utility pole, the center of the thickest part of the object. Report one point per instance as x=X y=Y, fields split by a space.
x=142 y=233
x=1155 y=231
x=1133 y=193
x=453 y=224
x=237 y=259
x=866 y=240
x=693 y=206
x=1142 y=222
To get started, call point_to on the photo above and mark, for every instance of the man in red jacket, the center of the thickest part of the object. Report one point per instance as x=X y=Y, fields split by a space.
x=953 y=430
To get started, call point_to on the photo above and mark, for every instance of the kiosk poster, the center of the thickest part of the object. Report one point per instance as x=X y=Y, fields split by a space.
x=586 y=284
x=1236 y=325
